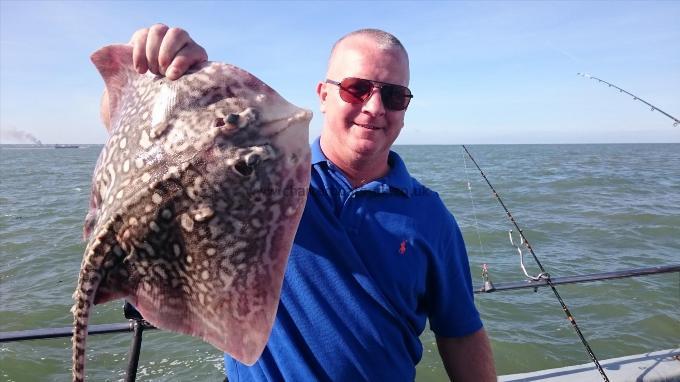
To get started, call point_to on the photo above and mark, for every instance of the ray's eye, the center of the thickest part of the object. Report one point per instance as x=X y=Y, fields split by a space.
x=246 y=167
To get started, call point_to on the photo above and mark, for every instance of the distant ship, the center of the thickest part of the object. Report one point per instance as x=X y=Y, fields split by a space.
x=66 y=146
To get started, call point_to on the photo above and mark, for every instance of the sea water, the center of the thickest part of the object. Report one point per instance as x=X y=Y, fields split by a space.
x=584 y=208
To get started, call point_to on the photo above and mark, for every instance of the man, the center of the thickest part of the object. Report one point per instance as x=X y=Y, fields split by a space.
x=376 y=253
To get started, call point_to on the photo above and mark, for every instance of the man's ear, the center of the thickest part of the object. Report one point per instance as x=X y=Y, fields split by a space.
x=322 y=93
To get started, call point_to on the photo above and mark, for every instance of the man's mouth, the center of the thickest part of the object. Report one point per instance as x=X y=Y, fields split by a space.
x=368 y=126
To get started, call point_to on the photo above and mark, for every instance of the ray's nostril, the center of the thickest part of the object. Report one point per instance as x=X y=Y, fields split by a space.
x=243 y=168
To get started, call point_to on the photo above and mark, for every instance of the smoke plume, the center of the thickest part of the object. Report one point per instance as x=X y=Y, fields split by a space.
x=18 y=136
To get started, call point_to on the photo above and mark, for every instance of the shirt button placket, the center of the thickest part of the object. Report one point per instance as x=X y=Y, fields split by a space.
x=353 y=214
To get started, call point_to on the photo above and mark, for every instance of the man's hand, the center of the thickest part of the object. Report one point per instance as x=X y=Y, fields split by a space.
x=468 y=358
x=165 y=51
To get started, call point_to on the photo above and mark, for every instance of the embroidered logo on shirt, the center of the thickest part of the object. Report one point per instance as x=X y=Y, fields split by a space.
x=402 y=248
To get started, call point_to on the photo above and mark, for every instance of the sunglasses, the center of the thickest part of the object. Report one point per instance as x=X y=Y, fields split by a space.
x=358 y=90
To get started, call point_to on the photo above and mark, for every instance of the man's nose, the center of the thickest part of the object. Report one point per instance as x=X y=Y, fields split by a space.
x=374 y=104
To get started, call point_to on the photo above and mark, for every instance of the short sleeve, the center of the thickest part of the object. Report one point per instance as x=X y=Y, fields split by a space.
x=450 y=299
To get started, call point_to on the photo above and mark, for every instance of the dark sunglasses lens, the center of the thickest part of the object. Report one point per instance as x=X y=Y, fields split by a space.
x=395 y=97
x=355 y=90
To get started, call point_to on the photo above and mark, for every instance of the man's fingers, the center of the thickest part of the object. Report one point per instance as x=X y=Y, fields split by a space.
x=138 y=42
x=153 y=46
x=187 y=57
x=175 y=39
x=165 y=51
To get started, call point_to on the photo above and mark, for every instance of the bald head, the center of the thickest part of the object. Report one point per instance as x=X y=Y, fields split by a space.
x=366 y=42
x=382 y=39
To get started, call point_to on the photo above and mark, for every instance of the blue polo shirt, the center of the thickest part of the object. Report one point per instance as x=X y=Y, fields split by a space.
x=368 y=267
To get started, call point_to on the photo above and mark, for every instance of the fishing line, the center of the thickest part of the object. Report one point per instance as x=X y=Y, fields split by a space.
x=676 y=121
x=545 y=275
x=472 y=201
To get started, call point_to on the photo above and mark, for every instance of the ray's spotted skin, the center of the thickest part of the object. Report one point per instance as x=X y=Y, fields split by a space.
x=195 y=201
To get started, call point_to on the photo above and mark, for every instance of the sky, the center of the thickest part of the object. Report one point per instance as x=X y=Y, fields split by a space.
x=481 y=72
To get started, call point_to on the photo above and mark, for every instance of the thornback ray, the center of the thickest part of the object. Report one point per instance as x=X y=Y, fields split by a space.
x=196 y=198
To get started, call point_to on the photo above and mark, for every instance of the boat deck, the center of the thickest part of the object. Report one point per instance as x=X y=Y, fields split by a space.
x=657 y=366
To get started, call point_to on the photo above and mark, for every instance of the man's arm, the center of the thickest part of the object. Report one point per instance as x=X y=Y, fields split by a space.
x=468 y=358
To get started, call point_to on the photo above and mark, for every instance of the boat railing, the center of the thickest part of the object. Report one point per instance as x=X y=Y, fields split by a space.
x=136 y=323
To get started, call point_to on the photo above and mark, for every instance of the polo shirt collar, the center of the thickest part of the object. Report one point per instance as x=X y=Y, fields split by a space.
x=397 y=178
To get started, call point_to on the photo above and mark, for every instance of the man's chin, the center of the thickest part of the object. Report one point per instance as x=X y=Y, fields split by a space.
x=366 y=146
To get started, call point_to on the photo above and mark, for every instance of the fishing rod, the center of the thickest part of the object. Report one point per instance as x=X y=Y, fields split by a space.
x=544 y=275
x=676 y=121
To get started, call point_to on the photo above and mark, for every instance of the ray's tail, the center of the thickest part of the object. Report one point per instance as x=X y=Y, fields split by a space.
x=88 y=282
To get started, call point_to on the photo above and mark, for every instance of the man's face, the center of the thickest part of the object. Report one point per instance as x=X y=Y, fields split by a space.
x=364 y=131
